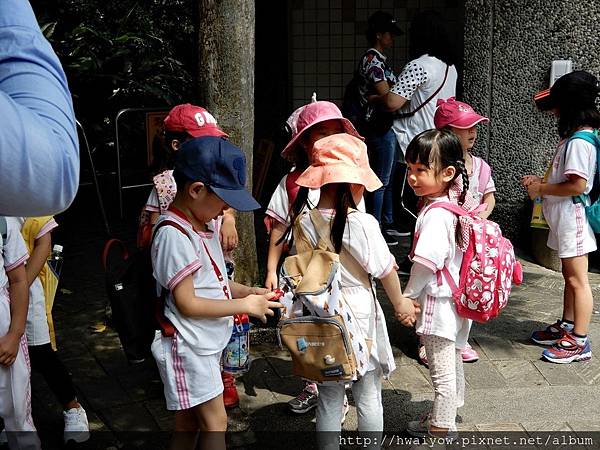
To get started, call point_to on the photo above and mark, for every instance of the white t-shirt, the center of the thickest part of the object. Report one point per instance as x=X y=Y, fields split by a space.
x=436 y=248
x=363 y=240
x=419 y=79
x=279 y=205
x=580 y=159
x=13 y=251
x=174 y=257
x=474 y=181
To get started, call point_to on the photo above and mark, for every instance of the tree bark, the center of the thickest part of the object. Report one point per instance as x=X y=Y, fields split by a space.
x=226 y=88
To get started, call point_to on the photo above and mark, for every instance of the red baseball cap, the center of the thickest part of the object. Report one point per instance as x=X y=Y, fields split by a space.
x=456 y=114
x=194 y=120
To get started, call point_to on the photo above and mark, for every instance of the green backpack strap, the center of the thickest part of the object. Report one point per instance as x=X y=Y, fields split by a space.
x=593 y=139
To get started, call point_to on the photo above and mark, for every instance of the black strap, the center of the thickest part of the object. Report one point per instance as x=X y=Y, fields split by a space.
x=431 y=97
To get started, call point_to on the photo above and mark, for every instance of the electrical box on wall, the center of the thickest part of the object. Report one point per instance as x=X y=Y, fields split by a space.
x=559 y=68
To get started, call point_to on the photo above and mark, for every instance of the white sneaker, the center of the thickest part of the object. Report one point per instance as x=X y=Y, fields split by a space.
x=76 y=425
x=3 y=437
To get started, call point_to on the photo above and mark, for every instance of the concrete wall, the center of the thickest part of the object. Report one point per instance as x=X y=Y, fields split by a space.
x=508 y=49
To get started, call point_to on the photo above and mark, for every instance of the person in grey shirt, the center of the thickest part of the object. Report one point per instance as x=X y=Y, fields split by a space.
x=39 y=149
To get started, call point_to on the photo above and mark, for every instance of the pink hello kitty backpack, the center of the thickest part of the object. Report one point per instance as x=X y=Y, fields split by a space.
x=488 y=270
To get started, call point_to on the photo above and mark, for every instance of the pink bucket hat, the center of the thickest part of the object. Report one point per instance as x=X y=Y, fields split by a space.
x=456 y=114
x=311 y=114
x=339 y=158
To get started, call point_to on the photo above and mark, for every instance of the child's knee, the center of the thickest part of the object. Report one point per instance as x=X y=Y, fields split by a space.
x=212 y=415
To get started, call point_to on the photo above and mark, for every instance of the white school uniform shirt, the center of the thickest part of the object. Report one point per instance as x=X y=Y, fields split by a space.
x=419 y=79
x=580 y=160
x=363 y=240
x=36 y=327
x=174 y=257
x=474 y=180
x=279 y=205
x=570 y=232
x=13 y=252
x=435 y=249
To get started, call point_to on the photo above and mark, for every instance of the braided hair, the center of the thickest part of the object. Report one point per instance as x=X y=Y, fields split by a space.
x=461 y=170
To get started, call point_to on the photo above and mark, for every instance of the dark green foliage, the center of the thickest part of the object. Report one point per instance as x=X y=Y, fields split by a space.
x=120 y=54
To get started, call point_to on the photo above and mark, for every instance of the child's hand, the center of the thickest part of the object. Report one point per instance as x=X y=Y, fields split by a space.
x=259 y=306
x=528 y=179
x=533 y=189
x=271 y=281
x=228 y=235
x=406 y=311
x=9 y=348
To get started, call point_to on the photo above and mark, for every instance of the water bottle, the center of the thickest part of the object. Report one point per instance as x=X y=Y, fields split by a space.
x=56 y=259
x=236 y=356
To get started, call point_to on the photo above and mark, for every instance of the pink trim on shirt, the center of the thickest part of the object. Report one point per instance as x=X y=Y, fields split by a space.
x=425 y=262
x=391 y=266
x=17 y=263
x=151 y=208
x=277 y=217
x=583 y=175
x=48 y=226
x=179 y=276
x=487 y=191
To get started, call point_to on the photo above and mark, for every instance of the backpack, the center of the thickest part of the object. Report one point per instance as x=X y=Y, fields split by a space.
x=592 y=211
x=325 y=344
x=367 y=119
x=488 y=269
x=137 y=310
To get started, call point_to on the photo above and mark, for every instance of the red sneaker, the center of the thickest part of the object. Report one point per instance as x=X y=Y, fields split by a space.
x=230 y=395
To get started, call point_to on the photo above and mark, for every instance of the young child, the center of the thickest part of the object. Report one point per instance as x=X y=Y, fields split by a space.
x=183 y=123
x=572 y=100
x=308 y=124
x=462 y=120
x=340 y=169
x=210 y=174
x=436 y=172
x=36 y=232
x=15 y=385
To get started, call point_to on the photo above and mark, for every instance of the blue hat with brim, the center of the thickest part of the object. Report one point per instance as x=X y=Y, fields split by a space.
x=217 y=163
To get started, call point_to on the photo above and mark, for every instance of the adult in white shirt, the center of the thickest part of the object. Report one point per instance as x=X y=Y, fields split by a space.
x=429 y=75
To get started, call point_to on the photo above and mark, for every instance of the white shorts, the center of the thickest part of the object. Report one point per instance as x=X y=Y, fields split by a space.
x=570 y=233
x=189 y=379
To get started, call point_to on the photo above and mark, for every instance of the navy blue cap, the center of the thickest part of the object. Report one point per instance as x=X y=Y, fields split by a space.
x=219 y=164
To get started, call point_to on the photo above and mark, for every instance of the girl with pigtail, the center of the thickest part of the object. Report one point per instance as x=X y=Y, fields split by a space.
x=437 y=173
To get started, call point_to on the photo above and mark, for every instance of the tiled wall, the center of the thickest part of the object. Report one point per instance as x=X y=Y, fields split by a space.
x=328 y=37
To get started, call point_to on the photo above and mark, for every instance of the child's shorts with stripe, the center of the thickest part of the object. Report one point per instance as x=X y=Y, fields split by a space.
x=570 y=233
x=189 y=379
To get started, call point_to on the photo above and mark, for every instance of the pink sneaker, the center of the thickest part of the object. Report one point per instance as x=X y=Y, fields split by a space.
x=469 y=354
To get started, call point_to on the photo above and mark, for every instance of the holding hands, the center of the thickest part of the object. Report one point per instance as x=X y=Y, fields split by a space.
x=406 y=311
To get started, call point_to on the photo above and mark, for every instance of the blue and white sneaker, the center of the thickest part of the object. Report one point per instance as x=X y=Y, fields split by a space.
x=566 y=350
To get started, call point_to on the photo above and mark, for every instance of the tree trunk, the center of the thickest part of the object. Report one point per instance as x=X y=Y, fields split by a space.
x=226 y=88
